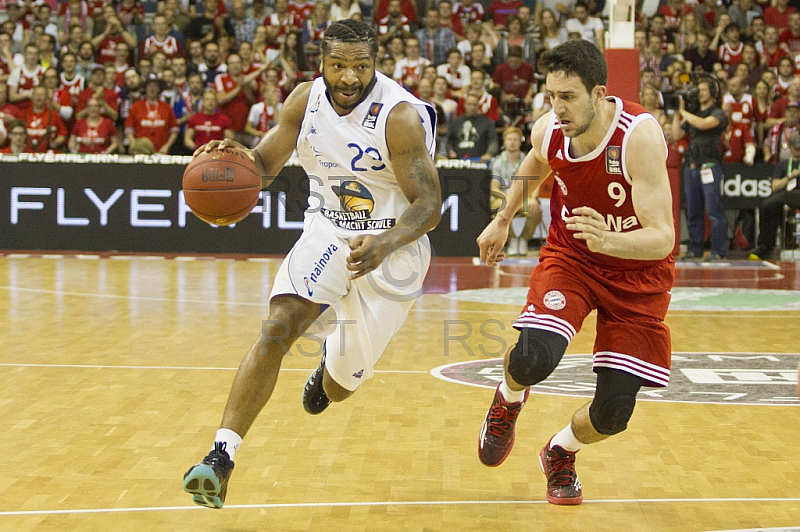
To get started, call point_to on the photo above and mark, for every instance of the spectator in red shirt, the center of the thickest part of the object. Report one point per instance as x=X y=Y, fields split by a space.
x=778 y=15
x=738 y=145
x=778 y=111
x=517 y=80
x=750 y=68
x=6 y=56
x=283 y=20
x=264 y=114
x=160 y=40
x=131 y=12
x=500 y=10
x=97 y=88
x=408 y=70
x=95 y=133
x=394 y=24
x=302 y=10
x=73 y=13
x=23 y=79
x=790 y=37
x=58 y=98
x=152 y=119
x=487 y=104
x=18 y=138
x=785 y=76
x=46 y=130
x=105 y=42
x=770 y=49
x=762 y=104
x=407 y=7
x=776 y=147
x=8 y=111
x=69 y=79
x=121 y=63
x=237 y=92
x=731 y=51
x=673 y=12
x=448 y=19
x=207 y=125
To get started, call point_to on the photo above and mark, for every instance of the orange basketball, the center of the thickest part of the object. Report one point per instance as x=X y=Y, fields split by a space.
x=221 y=186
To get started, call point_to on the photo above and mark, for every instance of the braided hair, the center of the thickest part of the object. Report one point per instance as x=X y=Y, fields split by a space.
x=350 y=31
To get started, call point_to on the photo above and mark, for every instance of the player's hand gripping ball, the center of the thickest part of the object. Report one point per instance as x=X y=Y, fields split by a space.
x=221 y=186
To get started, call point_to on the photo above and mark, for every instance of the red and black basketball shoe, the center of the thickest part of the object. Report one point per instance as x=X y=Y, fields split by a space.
x=497 y=432
x=207 y=481
x=558 y=465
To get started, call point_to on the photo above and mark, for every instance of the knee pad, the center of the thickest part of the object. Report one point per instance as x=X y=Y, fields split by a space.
x=611 y=416
x=535 y=356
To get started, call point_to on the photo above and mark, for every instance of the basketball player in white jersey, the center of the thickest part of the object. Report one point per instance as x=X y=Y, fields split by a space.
x=367 y=146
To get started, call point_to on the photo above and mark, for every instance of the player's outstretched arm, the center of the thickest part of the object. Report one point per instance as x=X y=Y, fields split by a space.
x=646 y=156
x=277 y=145
x=532 y=172
x=418 y=179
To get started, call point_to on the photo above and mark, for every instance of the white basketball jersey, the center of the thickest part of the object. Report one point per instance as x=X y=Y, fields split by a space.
x=351 y=180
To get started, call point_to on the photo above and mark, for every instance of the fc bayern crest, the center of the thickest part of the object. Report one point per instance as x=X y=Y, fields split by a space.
x=554 y=300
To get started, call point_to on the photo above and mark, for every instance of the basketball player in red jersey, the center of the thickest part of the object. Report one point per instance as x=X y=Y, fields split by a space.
x=609 y=249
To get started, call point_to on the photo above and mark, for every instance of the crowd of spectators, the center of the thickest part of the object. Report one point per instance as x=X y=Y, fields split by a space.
x=753 y=48
x=100 y=76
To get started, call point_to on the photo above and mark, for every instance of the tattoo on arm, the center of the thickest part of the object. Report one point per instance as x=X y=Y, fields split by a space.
x=418 y=215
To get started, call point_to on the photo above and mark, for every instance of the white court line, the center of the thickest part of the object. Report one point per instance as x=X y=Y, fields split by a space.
x=181 y=368
x=215 y=301
x=383 y=503
x=516 y=306
x=140 y=298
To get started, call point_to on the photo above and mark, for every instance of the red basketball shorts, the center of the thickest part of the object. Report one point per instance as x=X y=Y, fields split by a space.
x=631 y=305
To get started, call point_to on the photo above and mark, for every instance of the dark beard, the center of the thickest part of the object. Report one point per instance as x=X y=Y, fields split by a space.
x=585 y=126
x=365 y=92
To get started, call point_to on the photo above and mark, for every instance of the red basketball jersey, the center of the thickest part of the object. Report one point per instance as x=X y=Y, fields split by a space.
x=74 y=86
x=742 y=110
x=598 y=180
x=731 y=56
x=94 y=139
x=169 y=46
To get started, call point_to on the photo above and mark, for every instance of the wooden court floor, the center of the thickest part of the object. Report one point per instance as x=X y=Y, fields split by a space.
x=115 y=372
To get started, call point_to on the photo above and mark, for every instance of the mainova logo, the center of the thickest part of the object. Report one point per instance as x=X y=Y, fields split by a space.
x=724 y=378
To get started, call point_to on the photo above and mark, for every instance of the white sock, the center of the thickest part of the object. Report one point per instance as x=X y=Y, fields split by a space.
x=566 y=440
x=231 y=439
x=511 y=396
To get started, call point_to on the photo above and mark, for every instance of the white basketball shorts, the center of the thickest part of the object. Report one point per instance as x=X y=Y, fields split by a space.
x=363 y=315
